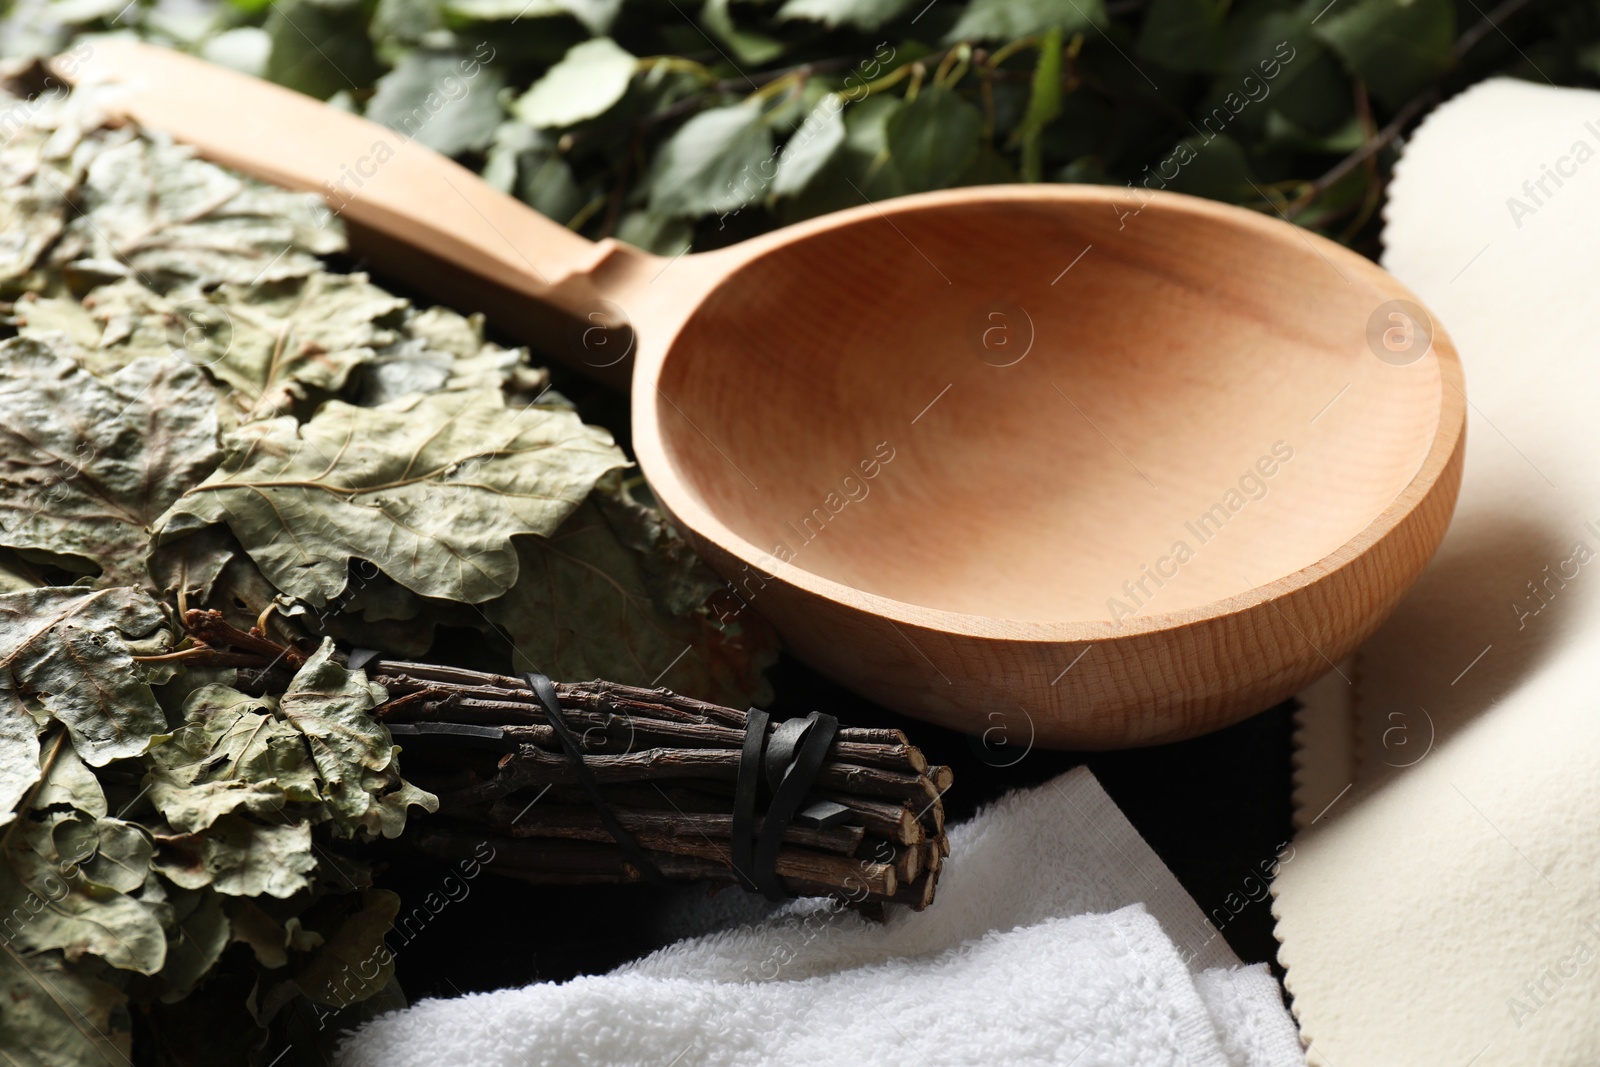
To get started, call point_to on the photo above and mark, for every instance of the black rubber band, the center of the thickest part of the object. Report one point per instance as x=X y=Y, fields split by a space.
x=782 y=746
x=746 y=786
x=813 y=736
x=545 y=690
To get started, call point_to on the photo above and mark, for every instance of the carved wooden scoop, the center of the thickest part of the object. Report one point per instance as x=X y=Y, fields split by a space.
x=1056 y=464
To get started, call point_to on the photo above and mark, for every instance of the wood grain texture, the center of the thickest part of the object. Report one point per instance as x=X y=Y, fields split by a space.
x=969 y=518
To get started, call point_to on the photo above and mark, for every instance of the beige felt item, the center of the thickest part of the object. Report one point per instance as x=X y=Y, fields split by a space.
x=1444 y=910
x=1325 y=745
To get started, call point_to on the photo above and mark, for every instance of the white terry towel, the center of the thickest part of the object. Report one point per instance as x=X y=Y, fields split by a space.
x=1441 y=906
x=1057 y=937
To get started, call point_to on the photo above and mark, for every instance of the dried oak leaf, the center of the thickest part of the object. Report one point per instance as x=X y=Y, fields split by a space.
x=123 y=320
x=69 y=651
x=617 y=594
x=239 y=857
x=19 y=758
x=43 y=158
x=355 y=756
x=266 y=345
x=441 y=351
x=108 y=853
x=351 y=951
x=154 y=211
x=87 y=464
x=375 y=611
x=196 y=938
x=273 y=341
x=61 y=1012
x=65 y=880
x=231 y=752
x=429 y=489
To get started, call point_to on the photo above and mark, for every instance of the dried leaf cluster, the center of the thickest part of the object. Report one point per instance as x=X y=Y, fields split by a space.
x=195 y=412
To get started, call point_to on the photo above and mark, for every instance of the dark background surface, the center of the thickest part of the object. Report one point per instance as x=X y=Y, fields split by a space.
x=1214 y=809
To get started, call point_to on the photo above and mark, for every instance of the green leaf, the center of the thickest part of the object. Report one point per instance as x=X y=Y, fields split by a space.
x=1397 y=47
x=933 y=138
x=525 y=163
x=60 y=1013
x=756 y=49
x=503 y=10
x=1044 y=105
x=1342 y=141
x=718 y=162
x=1303 y=80
x=405 y=20
x=430 y=489
x=1006 y=20
x=155 y=212
x=243 y=48
x=87 y=464
x=661 y=234
x=813 y=144
x=512 y=139
x=1215 y=167
x=596 y=15
x=866 y=125
x=73 y=649
x=320 y=46
x=445 y=100
x=1183 y=34
x=231 y=752
x=240 y=858
x=590 y=78
x=616 y=594
x=354 y=754
x=862 y=14
x=78 y=11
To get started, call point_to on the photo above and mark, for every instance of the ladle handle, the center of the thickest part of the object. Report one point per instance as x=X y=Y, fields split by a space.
x=414 y=214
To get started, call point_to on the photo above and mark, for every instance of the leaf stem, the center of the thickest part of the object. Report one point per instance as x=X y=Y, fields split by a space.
x=889 y=80
x=1006 y=52
x=679 y=65
x=1412 y=110
x=953 y=66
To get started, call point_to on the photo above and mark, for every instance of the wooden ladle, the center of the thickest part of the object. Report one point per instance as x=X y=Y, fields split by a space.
x=1056 y=464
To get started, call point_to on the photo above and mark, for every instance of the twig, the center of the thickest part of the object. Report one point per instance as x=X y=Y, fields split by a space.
x=1408 y=113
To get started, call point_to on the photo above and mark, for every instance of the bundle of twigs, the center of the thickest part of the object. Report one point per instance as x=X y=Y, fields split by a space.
x=871 y=831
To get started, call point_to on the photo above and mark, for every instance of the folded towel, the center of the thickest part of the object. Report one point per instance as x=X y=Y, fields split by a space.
x=1058 y=937
x=1440 y=909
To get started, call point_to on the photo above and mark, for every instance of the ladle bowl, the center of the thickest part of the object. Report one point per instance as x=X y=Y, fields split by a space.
x=1064 y=465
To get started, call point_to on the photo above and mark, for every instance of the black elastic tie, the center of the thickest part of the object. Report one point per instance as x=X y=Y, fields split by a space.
x=789 y=763
x=545 y=691
x=746 y=786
